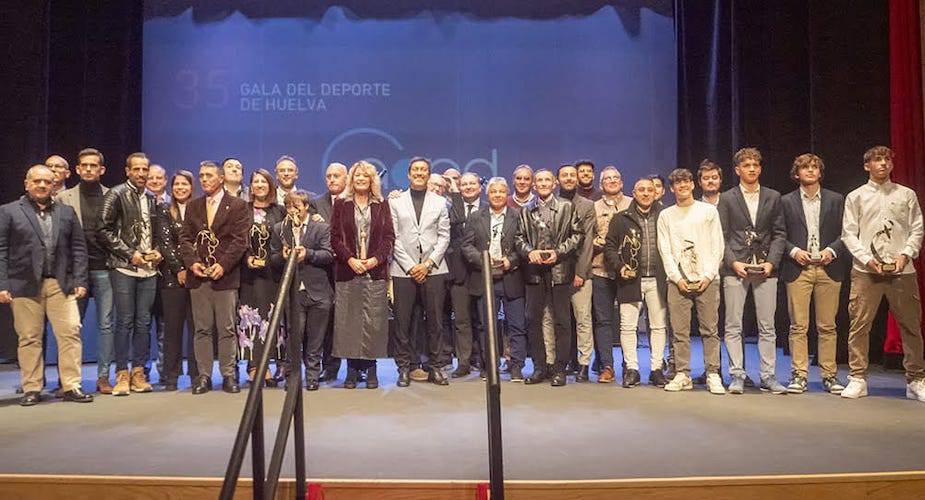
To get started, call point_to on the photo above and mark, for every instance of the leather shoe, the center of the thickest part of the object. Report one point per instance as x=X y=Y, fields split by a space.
x=328 y=375
x=582 y=375
x=462 y=371
x=311 y=385
x=202 y=385
x=630 y=377
x=170 y=386
x=437 y=377
x=607 y=376
x=536 y=377
x=372 y=378
x=404 y=378
x=77 y=396
x=351 y=381
x=230 y=386
x=558 y=380
x=30 y=398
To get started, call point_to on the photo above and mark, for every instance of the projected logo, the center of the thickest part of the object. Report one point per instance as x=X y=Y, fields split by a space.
x=392 y=157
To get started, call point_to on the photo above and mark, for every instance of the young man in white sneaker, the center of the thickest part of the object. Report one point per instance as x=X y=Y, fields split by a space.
x=690 y=241
x=883 y=231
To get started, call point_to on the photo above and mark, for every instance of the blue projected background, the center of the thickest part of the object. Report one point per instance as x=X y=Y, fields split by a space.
x=477 y=94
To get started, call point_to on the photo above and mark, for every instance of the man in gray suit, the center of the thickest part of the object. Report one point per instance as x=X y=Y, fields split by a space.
x=418 y=270
x=753 y=226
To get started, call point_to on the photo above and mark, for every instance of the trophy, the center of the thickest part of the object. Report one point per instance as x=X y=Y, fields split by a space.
x=880 y=247
x=206 y=244
x=260 y=235
x=629 y=250
x=494 y=250
x=756 y=256
x=139 y=229
x=814 y=255
x=688 y=265
x=544 y=237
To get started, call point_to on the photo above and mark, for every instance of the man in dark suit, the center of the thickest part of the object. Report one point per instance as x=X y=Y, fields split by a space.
x=43 y=272
x=336 y=179
x=814 y=266
x=494 y=228
x=753 y=226
x=311 y=241
x=464 y=201
x=212 y=243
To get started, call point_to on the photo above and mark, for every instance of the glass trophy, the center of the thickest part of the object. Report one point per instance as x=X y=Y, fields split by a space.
x=881 y=248
x=815 y=256
x=688 y=265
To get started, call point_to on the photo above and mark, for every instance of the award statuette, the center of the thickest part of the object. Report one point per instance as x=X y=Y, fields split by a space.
x=140 y=229
x=494 y=251
x=629 y=250
x=880 y=248
x=259 y=237
x=756 y=256
x=688 y=265
x=814 y=255
x=206 y=244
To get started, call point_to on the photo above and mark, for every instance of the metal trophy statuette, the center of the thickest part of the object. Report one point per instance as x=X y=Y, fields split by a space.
x=494 y=251
x=689 y=266
x=880 y=248
x=206 y=245
x=629 y=250
x=140 y=228
x=756 y=256
x=259 y=238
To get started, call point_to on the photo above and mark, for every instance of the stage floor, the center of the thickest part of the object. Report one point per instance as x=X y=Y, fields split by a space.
x=577 y=432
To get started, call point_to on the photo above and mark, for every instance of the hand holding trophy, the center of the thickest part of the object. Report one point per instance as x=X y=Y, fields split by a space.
x=881 y=248
x=815 y=256
x=756 y=256
x=629 y=251
x=688 y=265
x=259 y=238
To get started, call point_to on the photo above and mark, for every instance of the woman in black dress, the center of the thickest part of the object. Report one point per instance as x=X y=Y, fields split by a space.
x=175 y=300
x=258 y=281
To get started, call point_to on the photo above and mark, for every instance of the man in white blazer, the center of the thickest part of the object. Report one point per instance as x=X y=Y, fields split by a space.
x=418 y=270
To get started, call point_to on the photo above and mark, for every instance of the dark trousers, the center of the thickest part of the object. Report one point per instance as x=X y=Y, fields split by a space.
x=516 y=326
x=329 y=361
x=560 y=297
x=133 y=298
x=603 y=296
x=214 y=315
x=463 y=324
x=311 y=318
x=177 y=312
x=431 y=294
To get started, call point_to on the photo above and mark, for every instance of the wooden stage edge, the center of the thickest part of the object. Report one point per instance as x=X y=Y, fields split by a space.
x=879 y=485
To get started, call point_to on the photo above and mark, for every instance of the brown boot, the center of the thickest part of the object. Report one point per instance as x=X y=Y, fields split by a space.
x=139 y=381
x=122 y=387
x=606 y=376
x=103 y=386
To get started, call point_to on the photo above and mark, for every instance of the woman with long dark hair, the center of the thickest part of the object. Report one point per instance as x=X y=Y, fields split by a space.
x=259 y=283
x=175 y=300
x=362 y=237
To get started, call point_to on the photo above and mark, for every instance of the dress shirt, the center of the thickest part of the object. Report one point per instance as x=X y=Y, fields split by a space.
x=751 y=201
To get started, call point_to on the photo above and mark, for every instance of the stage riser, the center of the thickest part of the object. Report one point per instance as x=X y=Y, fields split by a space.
x=887 y=486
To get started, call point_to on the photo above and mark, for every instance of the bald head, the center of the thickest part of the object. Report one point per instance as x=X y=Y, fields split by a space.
x=39 y=184
x=335 y=177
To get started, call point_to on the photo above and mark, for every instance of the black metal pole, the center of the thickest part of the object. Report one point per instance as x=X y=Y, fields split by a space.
x=298 y=417
x=247 y=418
x=279 y=446
x=257 y=451
x=492 y=386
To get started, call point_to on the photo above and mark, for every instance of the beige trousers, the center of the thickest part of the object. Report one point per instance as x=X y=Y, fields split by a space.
x=814 y=284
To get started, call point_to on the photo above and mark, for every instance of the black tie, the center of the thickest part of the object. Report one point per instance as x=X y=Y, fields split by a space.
x=469 y=207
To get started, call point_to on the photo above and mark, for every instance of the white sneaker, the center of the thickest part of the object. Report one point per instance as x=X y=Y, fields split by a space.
x=715 y=384
x=857 y=388
x=916 y=390
x=680 y=382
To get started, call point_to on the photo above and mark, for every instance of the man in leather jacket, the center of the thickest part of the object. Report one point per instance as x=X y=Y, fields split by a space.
x=128 y=218
x=549 y=238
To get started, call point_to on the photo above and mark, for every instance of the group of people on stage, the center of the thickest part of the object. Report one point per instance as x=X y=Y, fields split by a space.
x=572 y=261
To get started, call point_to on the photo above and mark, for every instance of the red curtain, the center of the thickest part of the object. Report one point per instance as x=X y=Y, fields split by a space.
x=907 y=128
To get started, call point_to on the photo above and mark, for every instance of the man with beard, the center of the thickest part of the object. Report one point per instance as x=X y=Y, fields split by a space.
x=586 y=180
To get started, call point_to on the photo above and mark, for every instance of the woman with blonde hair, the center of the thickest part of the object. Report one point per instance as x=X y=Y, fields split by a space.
x=362 y=237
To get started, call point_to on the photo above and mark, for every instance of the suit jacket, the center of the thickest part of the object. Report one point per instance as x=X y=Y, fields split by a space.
x=415 y=242
x=831 y=209
x=567 y=238
x=231 y=225
x=313 y=270
x=22 y=249
x=455 y=260
x=476 y=240
x=733 y=215
x=71 y=198
x=587 y=219
x=344 y=238
x=322 y=206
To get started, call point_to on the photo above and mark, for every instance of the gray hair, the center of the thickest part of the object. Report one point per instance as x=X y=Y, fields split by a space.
x=496 y=180
x=337 y=165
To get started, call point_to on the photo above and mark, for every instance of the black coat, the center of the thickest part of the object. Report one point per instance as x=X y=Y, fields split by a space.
x=168 y=240
x=313 y=271
x=120 y=212
x=477 y=239
x=568 y=234
x=831 y=210
x=620 y=225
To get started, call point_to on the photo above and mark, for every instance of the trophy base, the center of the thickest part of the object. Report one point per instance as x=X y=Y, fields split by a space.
x=692 y=287
x=629 y=274
x=888 y=267
x=258 y=263
x=755 y=270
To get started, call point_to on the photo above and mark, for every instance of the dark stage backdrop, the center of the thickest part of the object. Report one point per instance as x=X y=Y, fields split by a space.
x=480 y=91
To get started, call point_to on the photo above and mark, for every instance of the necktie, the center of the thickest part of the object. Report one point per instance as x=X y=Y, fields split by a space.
x=210 y=211
x=469 y=207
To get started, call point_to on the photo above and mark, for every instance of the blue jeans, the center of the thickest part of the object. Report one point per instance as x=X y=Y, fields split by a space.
x=101 y=291
x=133 y=298
x=516 y=325
x=603 y=296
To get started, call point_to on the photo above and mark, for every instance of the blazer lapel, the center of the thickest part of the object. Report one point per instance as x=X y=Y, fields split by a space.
x=223 y=207
x=55 y=224
x=740 y=199
x=31 y=217
x=824 y=200
x=800 y=211
x=762 y=204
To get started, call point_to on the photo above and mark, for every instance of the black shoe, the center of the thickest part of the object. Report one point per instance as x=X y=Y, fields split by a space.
x=437 y=377
x=328 y=374
x=311 y=385
x=404 y=377
x=78 y=396
x=630 y=377
x=582 y=375
x=230 y=386
x=517 y=374
x=30 y=398
x=170 y=386
x=351 y=381
x=462 y=371
x=700 y=379
x=537 y=377
x=572 y=367
x=372 y=379
x=558 y=380
x=202 y=385
x=749 y=382
x=657 y=378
